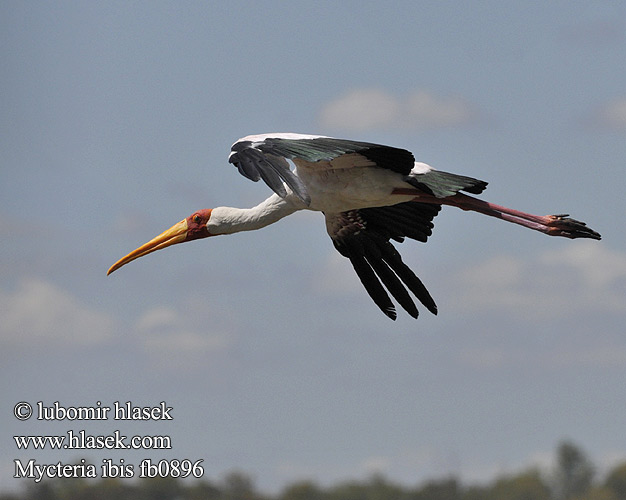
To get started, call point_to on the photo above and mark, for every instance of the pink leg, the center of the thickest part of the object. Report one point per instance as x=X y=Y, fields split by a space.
x=553 y=225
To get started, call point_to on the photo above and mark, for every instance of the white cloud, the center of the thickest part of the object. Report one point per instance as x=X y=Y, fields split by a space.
x=582 y=280
x=584 y=277
x=575 y=354
x=376 y=465
x=600 y=267
x=361 y=109
x=156 y=319
x=426 y=110
x=366 y=109
x=179 y=337
x=39 y=313
x=613 y=114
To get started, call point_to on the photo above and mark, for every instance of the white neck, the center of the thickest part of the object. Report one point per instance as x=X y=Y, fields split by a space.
x=227 y=220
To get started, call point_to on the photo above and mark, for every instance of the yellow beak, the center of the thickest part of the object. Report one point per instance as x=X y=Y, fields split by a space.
x=175 y=234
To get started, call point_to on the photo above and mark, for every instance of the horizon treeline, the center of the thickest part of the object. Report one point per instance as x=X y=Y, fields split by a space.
x=573 y=477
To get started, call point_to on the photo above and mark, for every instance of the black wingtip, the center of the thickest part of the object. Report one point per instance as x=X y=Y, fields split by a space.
x=391 y=314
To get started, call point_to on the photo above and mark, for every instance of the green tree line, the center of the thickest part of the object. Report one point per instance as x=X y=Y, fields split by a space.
x=574 y=477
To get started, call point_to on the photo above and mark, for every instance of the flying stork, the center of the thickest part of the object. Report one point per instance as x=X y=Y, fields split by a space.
x=369 y=194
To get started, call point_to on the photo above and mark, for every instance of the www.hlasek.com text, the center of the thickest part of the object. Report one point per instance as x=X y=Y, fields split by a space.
x=82 y=441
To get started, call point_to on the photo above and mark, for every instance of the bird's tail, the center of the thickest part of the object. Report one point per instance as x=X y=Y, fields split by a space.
x=443 y=184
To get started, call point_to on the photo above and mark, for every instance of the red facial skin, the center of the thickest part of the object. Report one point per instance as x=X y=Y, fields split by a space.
x=196 y=224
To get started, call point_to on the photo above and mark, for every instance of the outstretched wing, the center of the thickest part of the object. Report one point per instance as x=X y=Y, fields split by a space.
x=265 y=157
x=363 y=237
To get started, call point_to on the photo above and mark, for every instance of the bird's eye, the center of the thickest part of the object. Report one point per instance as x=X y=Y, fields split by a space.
x=196 y=219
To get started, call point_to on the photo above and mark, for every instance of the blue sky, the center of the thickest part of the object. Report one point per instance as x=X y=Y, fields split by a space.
x=117 y=119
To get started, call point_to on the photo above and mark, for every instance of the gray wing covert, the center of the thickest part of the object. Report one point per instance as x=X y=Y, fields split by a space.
x=267 y=159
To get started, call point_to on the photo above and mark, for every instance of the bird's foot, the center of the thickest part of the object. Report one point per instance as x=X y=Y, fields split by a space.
x=563 y=225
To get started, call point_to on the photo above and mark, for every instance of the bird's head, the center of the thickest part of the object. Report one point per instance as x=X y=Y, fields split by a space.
x=191 y=228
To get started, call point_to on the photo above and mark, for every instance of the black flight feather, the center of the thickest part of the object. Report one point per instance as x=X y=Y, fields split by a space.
x=363 y=237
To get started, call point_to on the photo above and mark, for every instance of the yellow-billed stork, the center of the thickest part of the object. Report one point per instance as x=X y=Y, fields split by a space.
x=369 y=194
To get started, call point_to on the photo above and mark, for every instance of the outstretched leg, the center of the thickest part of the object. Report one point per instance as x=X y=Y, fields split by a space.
x=553 y=225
